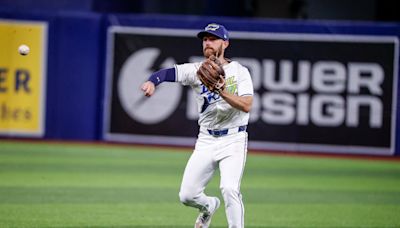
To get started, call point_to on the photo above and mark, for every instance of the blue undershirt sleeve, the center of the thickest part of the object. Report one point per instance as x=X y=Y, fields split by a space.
x=164 y=75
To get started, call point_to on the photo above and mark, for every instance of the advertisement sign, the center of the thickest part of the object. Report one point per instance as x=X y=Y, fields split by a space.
x=325 y=93
x=22 y=78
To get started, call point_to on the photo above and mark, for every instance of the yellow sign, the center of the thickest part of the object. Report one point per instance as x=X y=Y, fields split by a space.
x=22 y=78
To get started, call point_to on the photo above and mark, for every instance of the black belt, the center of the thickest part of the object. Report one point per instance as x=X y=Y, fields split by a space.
x=218 y=133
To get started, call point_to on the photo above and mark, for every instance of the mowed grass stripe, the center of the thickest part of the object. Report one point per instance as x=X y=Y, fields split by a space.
x=96 y=215
x=9 y=195
x=47 y=195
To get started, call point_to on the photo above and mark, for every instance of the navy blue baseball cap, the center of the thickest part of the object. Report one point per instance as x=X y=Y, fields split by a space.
x=216 y=30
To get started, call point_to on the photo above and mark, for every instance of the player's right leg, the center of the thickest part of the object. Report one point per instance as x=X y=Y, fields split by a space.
x=198 y=172
x=204 y=218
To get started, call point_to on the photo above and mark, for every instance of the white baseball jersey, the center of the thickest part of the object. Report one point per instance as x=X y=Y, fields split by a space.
x=214 y=111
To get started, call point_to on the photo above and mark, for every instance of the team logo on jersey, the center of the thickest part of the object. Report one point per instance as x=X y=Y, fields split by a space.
x=231 y=85
x=212 y=27
x=212 y=97
x=209 y=97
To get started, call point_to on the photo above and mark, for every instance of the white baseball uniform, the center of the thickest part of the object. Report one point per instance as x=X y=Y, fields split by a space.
x=222 y=141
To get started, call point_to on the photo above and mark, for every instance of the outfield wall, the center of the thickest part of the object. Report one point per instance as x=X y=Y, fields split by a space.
x=319 y=86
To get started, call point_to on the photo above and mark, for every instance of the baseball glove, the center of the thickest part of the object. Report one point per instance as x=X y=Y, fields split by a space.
x=212 y=75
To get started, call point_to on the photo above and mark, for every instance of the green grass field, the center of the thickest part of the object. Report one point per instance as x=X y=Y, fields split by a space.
x=70 y=185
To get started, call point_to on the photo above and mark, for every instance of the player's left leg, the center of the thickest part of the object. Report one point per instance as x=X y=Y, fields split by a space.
x=231 y=168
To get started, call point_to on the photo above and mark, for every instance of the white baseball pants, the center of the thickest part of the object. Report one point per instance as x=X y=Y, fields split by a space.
x=229 y=154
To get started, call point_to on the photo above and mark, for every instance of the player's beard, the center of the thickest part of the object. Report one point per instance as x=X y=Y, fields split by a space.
x=209 y=51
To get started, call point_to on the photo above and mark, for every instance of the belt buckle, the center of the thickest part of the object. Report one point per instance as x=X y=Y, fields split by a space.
x=217 y=133
x=212 y=132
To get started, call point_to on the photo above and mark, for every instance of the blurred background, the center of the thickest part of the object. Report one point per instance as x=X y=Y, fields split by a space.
x=369 y=10
x=88 y=58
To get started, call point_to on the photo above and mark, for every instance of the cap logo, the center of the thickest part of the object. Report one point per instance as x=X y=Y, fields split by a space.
x=211 y=27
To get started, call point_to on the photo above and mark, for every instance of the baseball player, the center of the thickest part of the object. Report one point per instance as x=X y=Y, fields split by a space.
x=224 y=106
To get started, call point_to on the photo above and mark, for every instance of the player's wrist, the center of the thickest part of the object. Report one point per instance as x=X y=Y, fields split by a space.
x=222 y=92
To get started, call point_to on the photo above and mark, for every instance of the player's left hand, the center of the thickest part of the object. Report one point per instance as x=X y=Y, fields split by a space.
x=148 y=88
x=211 y=74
